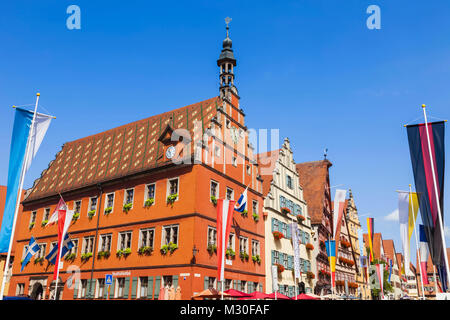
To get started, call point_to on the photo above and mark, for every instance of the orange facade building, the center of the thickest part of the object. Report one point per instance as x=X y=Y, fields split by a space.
x=144 y=198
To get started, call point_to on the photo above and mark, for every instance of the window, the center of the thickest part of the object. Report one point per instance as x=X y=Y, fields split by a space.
x=212 y=235
x=289 y=182
x=46 y=214
x=20 y=289
x=211 y=282
x=83 y=288
x=228 y=284
x=173 y=186
x=109 y=202
x=52 y=245
x=214 y=189
x=255 y=248
x=230 y=194
x=74 y=248
x=243 y=244
x=150 y=191
x=217 y=151
x=167 y=281
x=146 y=237
x=143 y=287
x=255 y=206
x=234 y=161
x=231 y=241
x=41 y=252
x=128 y=198
x=77 y=206
x=276 y=257
x=88 y=244
x=249 y=169
x=101 y=288
x=105 y=243
x=33 y=217
x=124 y=240
x=285 y=260
x=170 y=234
x=92 y=204
x=243 y=286
x=120 y=287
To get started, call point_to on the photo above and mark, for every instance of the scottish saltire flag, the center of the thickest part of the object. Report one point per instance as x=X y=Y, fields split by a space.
x=423 y=251
x=370 y=229
x=224 y=218
x=22 y=136
x=241 y=204
x=422 y=166
x=67 y=245
x=32 y=249
x=54 y=217
x=330 y=246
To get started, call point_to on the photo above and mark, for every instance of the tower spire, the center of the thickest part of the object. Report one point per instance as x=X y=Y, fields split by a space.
x=227 y=62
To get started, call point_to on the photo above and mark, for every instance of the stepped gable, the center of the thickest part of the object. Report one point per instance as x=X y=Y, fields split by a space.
x=266 y=164
x=314 y=181
x=118 y=152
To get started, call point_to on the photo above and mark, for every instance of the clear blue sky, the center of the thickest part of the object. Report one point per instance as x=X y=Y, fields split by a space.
x=310 y=68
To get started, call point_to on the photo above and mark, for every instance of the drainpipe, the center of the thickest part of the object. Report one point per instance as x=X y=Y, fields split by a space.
x=100 y=189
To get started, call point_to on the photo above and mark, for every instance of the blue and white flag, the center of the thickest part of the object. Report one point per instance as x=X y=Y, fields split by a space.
x=241 y=204
x=32 y=249
x=67 y=245
x=22 y=136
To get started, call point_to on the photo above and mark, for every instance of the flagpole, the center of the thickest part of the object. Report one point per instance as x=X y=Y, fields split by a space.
x=22 y=178
x=58 y=261
x=441 y=221
x=415 y=234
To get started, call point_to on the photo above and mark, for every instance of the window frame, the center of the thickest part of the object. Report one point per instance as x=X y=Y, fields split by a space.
x=119 y=239
x=164 y=234
x=106 y=202
x=146 y=197
x=169 y=187
x=214 y=231
x=90 y=205
x=101 y=240
x=125 y=195
x=152 y=245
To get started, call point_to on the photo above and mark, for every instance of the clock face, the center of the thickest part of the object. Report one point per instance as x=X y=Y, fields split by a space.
x=170 y=152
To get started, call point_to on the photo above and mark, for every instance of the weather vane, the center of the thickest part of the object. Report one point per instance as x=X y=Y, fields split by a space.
x=227 y=21
x=325 y=153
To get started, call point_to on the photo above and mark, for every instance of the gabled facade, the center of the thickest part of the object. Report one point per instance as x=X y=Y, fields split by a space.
x=144 y=196
x=284 y=205
x=315 y=180
x=395 y=276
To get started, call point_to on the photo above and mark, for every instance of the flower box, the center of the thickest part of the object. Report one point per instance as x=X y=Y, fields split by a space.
x=278 y=235
x=108 y=210
x=244 y=213
x=300 y=218
x=171 y=198
x=70 y=257
x=171 y=247
x=86 y=256
x=214 y=200
x=103 y=254
x=39 y=260
x=149 y=202
x=212 y=248
x=75 y=216
x=255 y=217
x=147 y=250
x=127 y=207
x=123 y=252
x=91 y=214
x=243 y=255
x=309 y=246
x=285 y=210
x=345 y=243
x=44 y=223
x=31 y=225
x=280 y=268
x=257 y=259
x=230 y=253
x=310 y=275
x=340 y=282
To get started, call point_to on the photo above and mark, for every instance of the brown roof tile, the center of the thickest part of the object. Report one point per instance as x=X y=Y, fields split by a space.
x=314 y=180
x=117 y=152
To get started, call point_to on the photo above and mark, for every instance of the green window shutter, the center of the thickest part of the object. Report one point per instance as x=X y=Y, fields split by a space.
x=235 y=284
x=134 y=287
x=90 y=288
x=250 y=287
x=126 y=287
x=150 y=288
x=157 y=286
x=219 y=285
x=75 y=289
x=175 y=281
x=289 y=236
x=273 y=257
x=290 y=262
x=238 y=285
x=105 y=292
x=206 y=283
x=282 y=202
x=260 y=286
x=273 y=224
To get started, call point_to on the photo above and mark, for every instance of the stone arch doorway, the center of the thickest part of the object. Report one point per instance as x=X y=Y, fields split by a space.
x=59 y=290
x=37 y=292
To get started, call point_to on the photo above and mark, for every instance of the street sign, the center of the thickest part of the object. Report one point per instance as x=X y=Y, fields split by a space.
x=108 y=279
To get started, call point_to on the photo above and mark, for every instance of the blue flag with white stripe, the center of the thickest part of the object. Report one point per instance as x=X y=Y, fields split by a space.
x=67 y=245
x=32 y=249
x=241 y=204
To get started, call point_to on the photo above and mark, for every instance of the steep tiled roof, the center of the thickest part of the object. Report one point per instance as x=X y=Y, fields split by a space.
x=313 y=178
x=389 y=249
x=117 y=152
x=266 y=164
x=376 y=245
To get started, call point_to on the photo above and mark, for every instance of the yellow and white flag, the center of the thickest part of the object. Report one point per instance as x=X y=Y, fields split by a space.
x=407 y=214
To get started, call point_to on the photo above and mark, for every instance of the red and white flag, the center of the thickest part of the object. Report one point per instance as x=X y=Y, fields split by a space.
x=339 y=202
x=54 y=217
x=225 y=210
x=380 y=275
x=64 y=220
